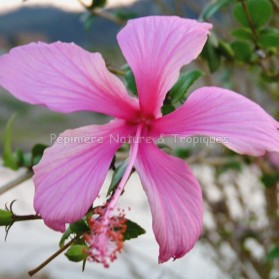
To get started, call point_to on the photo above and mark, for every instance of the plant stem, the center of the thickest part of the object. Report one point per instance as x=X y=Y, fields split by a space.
x=250 y=22
x=18 y=218
x=52 y=257
x=20 y=179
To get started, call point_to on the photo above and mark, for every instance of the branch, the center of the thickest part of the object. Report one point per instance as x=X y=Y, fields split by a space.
x=103 y=14
x=52 y=257
x=20 y=179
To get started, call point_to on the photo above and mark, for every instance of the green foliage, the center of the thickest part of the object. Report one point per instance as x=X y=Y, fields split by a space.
x=6 y=217
x=80 y=227
x=273 y=253
x=133 y=230
x=167 y=108
x=9 y=159
x=37 y=153
x=130 y=80
x=231 y=165
x=182 y=153
x=225 y=50
x=76 y=229
x=212 y=8
x=77 y=253
x=116 y=177
x=64 y=237
x=243 y=34
x=269 y=180
x=125 y=15
x=269 y=38
x=259 y=11
x=210 y=54
x=98 y=4
x=243 y=51
x=185 y=81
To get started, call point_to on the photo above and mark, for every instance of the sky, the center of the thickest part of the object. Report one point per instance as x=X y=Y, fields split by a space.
x=6 y=5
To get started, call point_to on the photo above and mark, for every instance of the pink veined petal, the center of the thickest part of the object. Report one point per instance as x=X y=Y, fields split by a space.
x=232 y=119
x=156 y=47
x=175 y=199
x=65 y=78
x=71 y=172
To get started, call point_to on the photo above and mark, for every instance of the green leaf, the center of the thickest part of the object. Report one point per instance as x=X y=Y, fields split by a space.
x=273 y=253
x=184 y=82
x=133 y=230
x=226 y=50
x=80 y=227
x=125 y=15
x=117 y=175
x=98 y=4
x=269 y=180
x=210 y=54
x=87 y=18
x=37 y=153
x=242 y=50
x=130 y=80
x=269 y=40
x=77 y=253
x=243 y=34
x=167 y=108
x=260 y=12
x=182 y=152
x=64 y=237
x=230 y=165
x=212 y=8
x=8 y=158
x=6 y=218
x=269 y=78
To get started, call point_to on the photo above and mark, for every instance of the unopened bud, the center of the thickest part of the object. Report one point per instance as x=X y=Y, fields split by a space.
x=6 y=218
x=77 y=253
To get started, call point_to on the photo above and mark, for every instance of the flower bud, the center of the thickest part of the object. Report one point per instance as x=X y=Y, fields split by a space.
x=6 y=218
x=77 y=253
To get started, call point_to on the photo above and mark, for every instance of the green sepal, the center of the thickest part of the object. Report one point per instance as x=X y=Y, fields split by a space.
x=133 y=230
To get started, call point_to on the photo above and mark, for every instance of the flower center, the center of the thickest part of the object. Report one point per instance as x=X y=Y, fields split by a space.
x=105 y=241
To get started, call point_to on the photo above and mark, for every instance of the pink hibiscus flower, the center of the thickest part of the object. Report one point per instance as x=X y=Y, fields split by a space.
x=66 y=78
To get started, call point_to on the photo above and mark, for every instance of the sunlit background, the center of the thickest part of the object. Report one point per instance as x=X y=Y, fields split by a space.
x=70 y=5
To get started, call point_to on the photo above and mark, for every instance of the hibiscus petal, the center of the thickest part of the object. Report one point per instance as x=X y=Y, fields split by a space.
x=71 y=172
x=156 y=47
x=65 y=78
x=175 y=199
x=234 y=120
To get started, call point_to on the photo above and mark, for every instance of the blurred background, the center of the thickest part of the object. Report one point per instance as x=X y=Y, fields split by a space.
x=241 y=228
